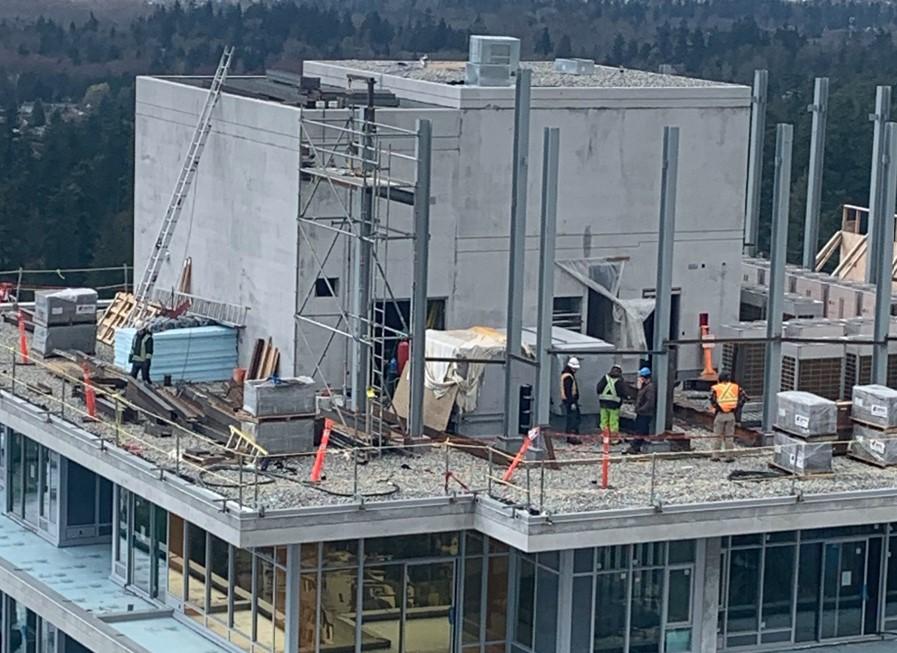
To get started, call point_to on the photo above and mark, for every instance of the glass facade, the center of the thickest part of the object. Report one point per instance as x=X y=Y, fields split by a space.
x=800 y=587
x=140 y=545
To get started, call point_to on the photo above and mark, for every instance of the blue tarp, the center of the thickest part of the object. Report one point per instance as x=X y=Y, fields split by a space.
x=196 y=354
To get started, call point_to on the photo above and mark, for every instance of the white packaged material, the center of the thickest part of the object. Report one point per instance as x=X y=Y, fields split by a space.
x=875 y=405
x=805 y=414
x=801 y=457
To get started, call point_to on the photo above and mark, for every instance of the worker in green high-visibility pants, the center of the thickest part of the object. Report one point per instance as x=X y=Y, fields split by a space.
x=612 y=389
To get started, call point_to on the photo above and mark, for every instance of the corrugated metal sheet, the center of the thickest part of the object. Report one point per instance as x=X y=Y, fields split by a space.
x=195 y=354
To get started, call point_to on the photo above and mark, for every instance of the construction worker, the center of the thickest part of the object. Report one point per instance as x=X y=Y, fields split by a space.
x=570 y=398
x=727 y=398
x=142 y=354
x=645 y=405
x=611 y=392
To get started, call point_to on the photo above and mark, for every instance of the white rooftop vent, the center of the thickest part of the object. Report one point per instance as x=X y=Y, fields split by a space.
x=492 y=60
x=574 y=66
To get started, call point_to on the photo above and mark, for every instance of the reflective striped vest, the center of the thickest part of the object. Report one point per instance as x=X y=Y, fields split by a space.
x=726 y=396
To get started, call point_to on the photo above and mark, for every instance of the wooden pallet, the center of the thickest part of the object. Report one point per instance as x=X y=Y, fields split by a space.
x=117 y=315
x=853 y=455
x=892 y=430
x=807 y=475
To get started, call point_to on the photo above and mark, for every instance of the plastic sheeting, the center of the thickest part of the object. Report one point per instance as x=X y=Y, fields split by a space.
x=476 y=342
x=196 y=354
x=629 y=315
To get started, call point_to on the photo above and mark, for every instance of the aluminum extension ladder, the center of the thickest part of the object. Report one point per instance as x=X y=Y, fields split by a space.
x=144 y=288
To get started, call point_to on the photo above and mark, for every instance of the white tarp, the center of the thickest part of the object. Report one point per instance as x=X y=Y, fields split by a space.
x=603 y=277
x=476 y=342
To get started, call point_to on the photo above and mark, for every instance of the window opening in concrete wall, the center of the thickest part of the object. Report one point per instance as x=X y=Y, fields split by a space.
x=327 y=287
x=567 y=313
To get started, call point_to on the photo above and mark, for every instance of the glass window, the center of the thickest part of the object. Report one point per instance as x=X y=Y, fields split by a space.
x=778 y=587
x=808 y=584
x=308 y=600
x=525 y=596
x=583 y=560
x=383 y=592
x=429 y=600
x=474 y=544
x=81 y=495
x=243 y=591
x=546 y=610
x=340 y=554
x=50 y=490
x=497 y=599
x=141 y=544
x=32 y=477
x=105 y=503
x=175 y=556
x=679 y=597
x=338 y=605
x=308 y=556
x=744 y=590
x=160 y=547
x=280 y=600
x=196 y=567
x=610 y=612
x=550 y=559
x=646 y=610
x=121 y=529
x=473 y=594
x=218 y=578
x=650 y=554
x=581 y=618
x=682 y=551
x=412 y=546
x=613 y=557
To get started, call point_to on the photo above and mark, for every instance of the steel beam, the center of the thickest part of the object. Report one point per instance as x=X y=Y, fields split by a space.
x=548 y=236
x=755 y=162
x=517 y=250
x=781 y=195
x=885 y=253
x=819 y=109
x=419 y=284
x=876 y=186
x=663 y=303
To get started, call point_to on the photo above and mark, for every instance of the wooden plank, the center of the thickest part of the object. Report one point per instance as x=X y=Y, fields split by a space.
x=256 y=360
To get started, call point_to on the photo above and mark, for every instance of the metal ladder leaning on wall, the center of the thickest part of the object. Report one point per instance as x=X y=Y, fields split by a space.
x=144 y=289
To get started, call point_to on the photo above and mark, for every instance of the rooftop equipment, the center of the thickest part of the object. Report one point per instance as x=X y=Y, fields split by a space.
x=492 y=61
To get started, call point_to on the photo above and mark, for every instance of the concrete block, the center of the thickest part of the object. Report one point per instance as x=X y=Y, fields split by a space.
x=805 y=414
x=801 y=457
x=282 y=436
x=69 y=306
x=293 y=396
x=875 y=405
x=80 y=337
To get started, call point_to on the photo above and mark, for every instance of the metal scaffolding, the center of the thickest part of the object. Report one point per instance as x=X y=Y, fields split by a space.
x=354 y=174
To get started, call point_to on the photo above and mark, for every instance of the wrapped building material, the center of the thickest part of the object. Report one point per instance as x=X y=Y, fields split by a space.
x=801 y=457
x=875 y=405
x=873 y=446
x=76 y=337
x=65 y=307
x=291 y=396
x=805 y=414
x=198 y=354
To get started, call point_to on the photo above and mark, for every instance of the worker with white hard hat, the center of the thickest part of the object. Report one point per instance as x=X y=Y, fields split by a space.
x=570 y=398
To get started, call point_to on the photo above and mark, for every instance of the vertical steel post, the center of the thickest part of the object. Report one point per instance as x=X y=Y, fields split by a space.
x=663 y=303
x=819 y=109
x=885 y=252
x=419 y=284
x=781 y=195
x=876 y=186
x=548 y=236
x=755 y=162
x=517 y=248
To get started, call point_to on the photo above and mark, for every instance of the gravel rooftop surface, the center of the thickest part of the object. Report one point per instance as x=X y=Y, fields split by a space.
x=419 y=472
x=543 y=74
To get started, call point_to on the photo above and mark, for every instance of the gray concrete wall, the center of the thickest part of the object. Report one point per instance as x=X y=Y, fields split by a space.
x=243 y=238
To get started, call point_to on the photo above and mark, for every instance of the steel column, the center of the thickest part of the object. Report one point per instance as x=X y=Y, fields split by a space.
x=419 y=284
x=548 y=236
x=663 y=294
x=876 y=186
x=291 y=607
x=781 y=195
x=819 y=108
x=755 y=162
x=885 y=253
x=517 y=251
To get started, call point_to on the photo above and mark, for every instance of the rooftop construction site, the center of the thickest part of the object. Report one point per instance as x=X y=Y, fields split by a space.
x=335 y=257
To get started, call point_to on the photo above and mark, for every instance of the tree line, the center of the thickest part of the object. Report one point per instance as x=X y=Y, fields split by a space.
x=66 y=178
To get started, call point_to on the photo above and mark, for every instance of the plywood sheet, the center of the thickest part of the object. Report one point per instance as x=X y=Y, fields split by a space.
x=437 y=410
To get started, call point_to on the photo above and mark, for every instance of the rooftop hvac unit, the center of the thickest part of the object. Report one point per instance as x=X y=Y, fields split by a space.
x=495 y=51
x=755 y=271
x=574 y=66
x=813 y=368
x=844 y=300
x=813 y=329
x=813 y=285
x=858 y=358
x=488 y=75
x=754 y=300
x=745 y=360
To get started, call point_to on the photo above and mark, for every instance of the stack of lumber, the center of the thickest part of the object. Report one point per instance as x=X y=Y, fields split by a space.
x=265 y=360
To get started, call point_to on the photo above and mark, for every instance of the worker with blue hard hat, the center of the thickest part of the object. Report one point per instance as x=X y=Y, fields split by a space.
x=645 y=407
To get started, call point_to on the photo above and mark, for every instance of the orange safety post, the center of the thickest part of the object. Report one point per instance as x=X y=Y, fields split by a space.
x=322 y=449
x=708 y=373
x=531 y=436
x=23 y=340
x=90 y=395
x=605 y=460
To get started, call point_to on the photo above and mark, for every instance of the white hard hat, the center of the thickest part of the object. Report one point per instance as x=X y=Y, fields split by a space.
x=573 y=363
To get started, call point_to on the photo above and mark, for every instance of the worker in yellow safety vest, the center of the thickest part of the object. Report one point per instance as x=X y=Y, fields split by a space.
x=727 y=398
x=611 y=389
x=142 y=354
x=570 y=399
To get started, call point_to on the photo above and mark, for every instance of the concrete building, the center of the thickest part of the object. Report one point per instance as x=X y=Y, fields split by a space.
x=239 y=225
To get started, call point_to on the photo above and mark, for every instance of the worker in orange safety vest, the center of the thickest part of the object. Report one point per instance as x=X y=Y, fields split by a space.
x=727 y=398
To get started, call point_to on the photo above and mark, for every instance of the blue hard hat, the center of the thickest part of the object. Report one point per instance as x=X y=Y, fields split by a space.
x=645 y=372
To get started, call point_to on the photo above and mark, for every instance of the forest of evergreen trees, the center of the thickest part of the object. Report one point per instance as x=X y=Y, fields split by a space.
x=66 y=164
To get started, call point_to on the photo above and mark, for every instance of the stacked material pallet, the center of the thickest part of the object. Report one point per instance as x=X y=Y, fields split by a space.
x=806 y=426
x=874 y=413
x=279 y=414
x=65 y=320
